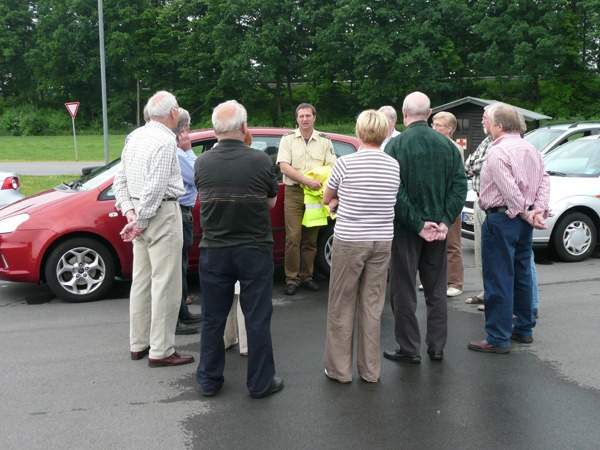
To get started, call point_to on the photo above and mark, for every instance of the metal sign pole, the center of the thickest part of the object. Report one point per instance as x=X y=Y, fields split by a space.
x=75 y=139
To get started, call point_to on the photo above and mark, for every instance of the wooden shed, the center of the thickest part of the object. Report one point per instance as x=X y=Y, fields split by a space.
x=469 y=113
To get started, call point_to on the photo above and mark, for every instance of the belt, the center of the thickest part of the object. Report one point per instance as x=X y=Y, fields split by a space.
x=186 y=208
x=496 y=209
x=170 y=199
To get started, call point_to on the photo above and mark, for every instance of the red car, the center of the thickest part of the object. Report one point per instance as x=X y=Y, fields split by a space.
x=69 y=237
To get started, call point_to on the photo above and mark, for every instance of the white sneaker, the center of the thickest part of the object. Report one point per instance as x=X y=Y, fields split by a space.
x=481 y=307
x=420 y=287
x=453 y=292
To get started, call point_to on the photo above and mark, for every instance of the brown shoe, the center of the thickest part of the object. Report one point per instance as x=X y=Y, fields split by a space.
x=140 y=355
x=485 y=347
x=174 y=360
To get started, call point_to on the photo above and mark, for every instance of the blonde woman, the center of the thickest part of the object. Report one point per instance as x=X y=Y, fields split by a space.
x=445 y=123
x=362 y=189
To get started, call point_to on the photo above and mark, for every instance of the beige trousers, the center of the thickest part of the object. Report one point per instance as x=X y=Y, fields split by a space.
x=356 y=290
x=155 y=295
x=235 y=327
x=300 y=241
x=478 y=219
x=456 y=270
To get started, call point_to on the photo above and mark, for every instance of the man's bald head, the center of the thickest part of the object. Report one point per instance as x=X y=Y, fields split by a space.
x=416 y=106
x=229 y=120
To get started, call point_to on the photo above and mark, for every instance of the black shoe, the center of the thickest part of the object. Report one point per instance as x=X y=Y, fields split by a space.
x=291 y=289
x=397 y=355
x=276 y=386
x=185 y=329
x=209 y=392
x=435 y=355
x=191 y=318
x=311 y=285
x=520 y=338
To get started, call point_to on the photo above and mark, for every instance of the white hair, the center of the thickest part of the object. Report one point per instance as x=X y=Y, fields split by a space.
x=184 y=119
x=229 y=117
x=389 y=111
x=160 y=105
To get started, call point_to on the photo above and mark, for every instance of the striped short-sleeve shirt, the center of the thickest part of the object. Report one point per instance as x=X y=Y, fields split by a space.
x=367 y=185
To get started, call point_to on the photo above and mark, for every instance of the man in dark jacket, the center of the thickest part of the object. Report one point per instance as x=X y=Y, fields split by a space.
x=432 y=193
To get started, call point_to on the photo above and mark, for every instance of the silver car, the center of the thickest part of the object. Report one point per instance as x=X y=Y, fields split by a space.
x=551 y=135
x=572 y=232
x=10 y=188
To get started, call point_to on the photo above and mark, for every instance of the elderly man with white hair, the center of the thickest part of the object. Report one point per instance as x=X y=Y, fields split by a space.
x=147 y=189
x=237 y=187
x=392 y=118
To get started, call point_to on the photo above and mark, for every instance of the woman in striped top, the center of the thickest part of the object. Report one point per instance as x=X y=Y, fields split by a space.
x=362 y=189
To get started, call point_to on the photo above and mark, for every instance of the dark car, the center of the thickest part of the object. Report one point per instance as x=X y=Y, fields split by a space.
x=69 y=237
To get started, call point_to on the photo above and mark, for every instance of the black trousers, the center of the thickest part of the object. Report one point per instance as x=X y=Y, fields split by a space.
x=219 y=270
x=412 y=254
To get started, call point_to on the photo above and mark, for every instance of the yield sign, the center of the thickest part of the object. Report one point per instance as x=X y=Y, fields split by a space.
x=72 y=108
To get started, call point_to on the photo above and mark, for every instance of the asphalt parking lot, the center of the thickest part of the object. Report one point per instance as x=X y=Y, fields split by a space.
x=68 y=382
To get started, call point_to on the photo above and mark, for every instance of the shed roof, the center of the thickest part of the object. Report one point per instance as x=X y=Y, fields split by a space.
x=529 y=115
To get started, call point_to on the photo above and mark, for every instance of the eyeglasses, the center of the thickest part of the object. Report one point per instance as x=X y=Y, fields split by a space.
x=438 y=125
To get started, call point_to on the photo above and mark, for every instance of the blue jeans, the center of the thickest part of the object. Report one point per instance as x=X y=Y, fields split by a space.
x=219 y=270
x=534 y=284
x=507 y=281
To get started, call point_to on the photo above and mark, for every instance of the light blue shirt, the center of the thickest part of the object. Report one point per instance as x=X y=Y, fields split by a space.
x=186 y=163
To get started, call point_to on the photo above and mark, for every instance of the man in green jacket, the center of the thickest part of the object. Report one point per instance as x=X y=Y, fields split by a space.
x=432 y=193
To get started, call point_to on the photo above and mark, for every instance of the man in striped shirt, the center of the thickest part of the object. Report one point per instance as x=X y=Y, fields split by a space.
x=514 y=194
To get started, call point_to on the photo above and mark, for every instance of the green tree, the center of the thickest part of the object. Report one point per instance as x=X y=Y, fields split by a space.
x=16 y=23
x=524 y=39
x=64 y=61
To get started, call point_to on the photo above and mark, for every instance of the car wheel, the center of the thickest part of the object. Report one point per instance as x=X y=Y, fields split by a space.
x=80 y=270
x=324 y=248
x=574 y=238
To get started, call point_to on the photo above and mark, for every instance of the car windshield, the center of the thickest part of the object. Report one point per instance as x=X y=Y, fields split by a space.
x=580 y=158
x=542 y=137
x=94 y=179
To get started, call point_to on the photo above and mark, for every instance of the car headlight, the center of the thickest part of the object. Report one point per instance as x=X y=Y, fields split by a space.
x=10 y=224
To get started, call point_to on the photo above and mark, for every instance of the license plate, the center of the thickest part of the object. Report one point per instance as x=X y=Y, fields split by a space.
x=467 y=218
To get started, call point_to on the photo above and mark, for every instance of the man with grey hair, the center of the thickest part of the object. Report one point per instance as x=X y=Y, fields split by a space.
x=473 y=166
x=147 y=188
x=187 y=158
x=432 y=193
x=392 y=118
x=237 y=187
x=514 y=194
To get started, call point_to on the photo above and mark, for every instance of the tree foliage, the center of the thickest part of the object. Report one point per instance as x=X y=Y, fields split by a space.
x=341 y=55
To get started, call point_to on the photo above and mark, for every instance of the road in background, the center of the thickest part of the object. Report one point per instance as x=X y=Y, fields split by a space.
x=68 y=382
x=49 y=168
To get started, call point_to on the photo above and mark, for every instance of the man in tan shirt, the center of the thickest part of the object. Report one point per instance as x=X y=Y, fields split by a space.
x=299 y=152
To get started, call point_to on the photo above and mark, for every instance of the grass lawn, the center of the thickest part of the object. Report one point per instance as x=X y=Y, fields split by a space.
x=89 y=148
x=58 y=148
x=31 y=184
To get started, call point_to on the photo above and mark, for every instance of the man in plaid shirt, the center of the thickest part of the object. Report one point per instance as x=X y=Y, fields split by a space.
x=147 y=189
